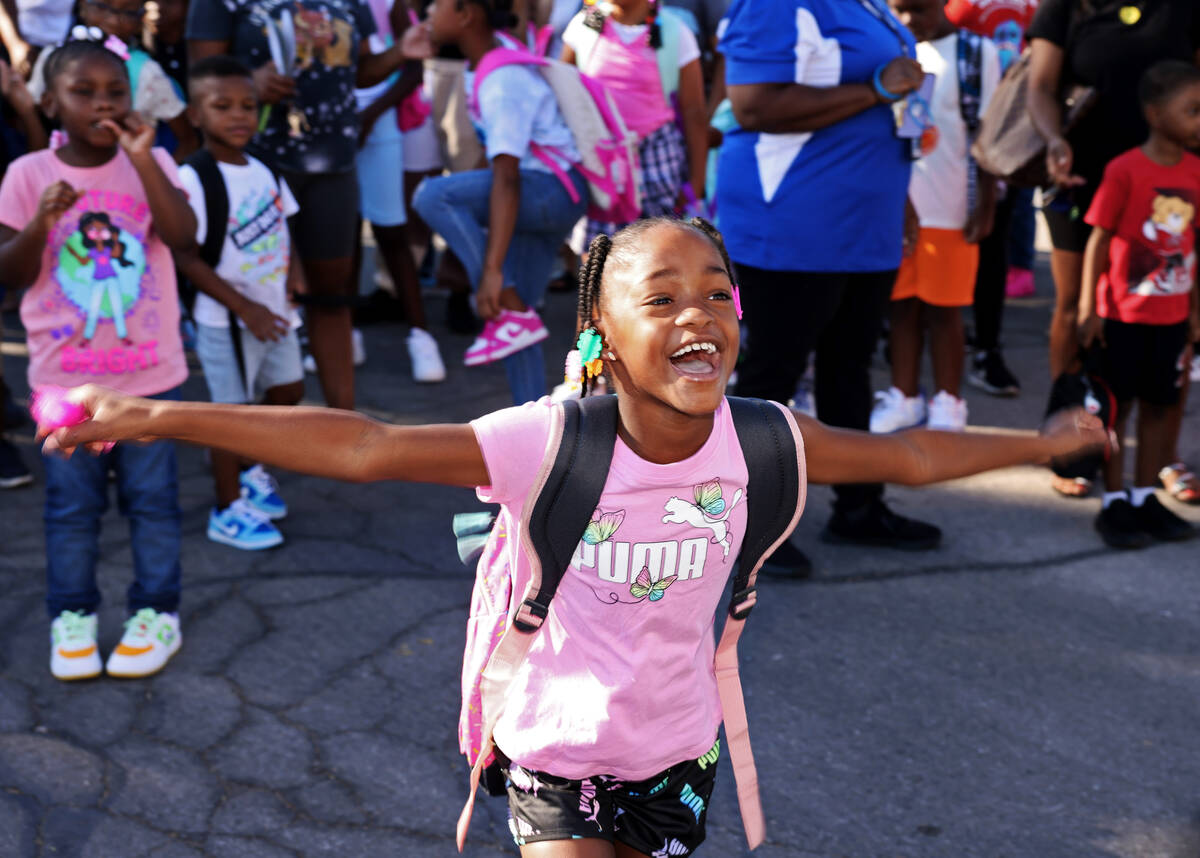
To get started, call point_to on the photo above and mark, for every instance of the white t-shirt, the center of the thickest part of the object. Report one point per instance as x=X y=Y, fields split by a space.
x=517 y=108
x=938 y=187
x=575 y=38
x=257 y=244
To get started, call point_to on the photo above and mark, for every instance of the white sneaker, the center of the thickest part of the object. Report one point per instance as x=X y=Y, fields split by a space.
x=947 y=412
x=427 y=366
x=73 y=651
x=358 y=352
x=894 y=411
x=150 y=639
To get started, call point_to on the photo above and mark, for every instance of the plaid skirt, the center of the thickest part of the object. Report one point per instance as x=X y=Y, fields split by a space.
x=661 y=175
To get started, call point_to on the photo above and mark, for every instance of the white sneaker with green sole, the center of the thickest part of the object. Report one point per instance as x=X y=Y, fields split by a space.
x=150 y=639
x=73 y=650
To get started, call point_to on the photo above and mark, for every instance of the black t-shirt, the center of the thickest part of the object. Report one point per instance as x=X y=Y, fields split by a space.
x=1109 y=48
x=327 y=36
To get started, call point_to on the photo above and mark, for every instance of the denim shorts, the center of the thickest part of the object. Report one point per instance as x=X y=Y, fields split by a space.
x=381 y=174
x=267 y=364
x=663 y=814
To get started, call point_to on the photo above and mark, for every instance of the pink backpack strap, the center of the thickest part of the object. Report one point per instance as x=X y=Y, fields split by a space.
x=509 y=654
x=729 y=683
x=493 y=60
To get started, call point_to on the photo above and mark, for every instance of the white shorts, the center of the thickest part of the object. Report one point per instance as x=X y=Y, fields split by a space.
x=381 y=173
x=421 y=153
x=267 y=364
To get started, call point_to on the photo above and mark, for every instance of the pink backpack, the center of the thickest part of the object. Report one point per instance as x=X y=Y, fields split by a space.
x=608 y=152
x=506 y=611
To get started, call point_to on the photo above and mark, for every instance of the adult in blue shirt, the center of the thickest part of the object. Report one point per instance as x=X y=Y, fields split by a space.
x=812 y=190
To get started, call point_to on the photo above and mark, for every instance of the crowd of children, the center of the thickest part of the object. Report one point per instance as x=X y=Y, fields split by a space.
x=99 y=227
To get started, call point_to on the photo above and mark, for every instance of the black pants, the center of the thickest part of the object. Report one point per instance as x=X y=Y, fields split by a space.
x=789 y=315
x=992 y=277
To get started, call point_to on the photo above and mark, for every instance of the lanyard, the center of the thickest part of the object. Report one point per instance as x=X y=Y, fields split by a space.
x=888 y=21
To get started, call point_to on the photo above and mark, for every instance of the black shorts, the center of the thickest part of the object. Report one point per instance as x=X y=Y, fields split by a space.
x=327 y=223
x=1064 y=214
x=1144 y=362
x=663 y=814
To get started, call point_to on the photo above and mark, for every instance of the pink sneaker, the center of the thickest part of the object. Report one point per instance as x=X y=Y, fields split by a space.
x=504 y=335
x=1019 y=283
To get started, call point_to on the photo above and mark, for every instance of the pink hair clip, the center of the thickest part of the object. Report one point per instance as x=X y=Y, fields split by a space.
x=118 y=47
x=737 y=301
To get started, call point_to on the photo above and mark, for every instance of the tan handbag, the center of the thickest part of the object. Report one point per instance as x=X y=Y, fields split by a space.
x=1008 y=145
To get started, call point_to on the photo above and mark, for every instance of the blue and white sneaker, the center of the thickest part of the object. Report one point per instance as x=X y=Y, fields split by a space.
x=262 y=492
x=242 y=526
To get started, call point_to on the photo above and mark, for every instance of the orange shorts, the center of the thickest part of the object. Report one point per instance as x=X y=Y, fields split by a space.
x=940 y=271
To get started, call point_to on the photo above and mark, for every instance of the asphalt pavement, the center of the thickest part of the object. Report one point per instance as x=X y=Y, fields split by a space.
x=1021 y=692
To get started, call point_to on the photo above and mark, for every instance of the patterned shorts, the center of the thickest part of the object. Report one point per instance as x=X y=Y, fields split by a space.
x=662 y=816
x=663 y=157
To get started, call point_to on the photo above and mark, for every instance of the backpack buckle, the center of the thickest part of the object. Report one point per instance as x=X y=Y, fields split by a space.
x=742 y=603
x=530 y=616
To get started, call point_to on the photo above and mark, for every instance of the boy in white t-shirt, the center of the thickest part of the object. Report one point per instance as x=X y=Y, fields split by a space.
x=246 y=271
x=954 y=204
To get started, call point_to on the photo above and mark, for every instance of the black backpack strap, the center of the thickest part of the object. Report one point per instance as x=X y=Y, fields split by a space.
x=216 y=212
x=570 y=497
x=772 y=491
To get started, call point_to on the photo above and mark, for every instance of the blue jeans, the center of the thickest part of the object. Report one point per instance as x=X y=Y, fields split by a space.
x=147 y=494
x=457 y=208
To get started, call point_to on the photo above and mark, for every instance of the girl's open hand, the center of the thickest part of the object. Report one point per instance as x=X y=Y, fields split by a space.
x=113 y=417
x=417 y=42
x=133 y=135
x=1073 y=432
x=55 y=200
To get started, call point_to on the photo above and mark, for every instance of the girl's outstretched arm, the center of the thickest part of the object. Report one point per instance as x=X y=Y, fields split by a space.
x=326 y=442
x=921 y=456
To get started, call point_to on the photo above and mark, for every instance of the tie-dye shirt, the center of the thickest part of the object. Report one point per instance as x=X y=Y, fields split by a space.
x=104 y=307
x=619 y=679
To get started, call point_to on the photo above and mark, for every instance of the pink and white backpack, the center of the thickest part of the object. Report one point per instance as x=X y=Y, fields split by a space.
x=607 y=148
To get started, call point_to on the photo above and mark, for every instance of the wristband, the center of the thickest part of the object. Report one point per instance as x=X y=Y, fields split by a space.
x=880 y=91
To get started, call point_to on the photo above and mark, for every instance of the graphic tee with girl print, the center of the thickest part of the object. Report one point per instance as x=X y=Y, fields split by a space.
x=104 y=307
x=619 y=679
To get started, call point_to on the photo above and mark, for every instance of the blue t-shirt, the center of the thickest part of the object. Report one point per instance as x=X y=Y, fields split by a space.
x=828 y=200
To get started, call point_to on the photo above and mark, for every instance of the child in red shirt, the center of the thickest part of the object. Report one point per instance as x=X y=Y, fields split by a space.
x=1138 y=299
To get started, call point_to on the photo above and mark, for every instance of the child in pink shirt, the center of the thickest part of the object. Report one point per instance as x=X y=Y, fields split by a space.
x=609 y=730
x=649 y=60
x=89 y=229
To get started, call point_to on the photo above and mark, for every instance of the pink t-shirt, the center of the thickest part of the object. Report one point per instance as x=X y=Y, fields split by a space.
x=104 y=307
x=630 y=72
x=619 y=679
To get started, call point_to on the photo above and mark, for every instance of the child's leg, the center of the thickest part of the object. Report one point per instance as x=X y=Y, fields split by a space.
x=947 y=346
x=76 y=498
x=1114 y=468
x=148 y=495
x=906 y=343
x=392 y=242
x=1154 y=443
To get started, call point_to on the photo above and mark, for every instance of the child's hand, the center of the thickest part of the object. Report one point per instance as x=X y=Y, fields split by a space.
x=979 y=224
x=113 y=417
x=264 y=324
x=13 y=88
x=487 y=296
x=134 y=136
x=1072 y=433
x=55 y=200
x=1091 y=329
x=417 y=42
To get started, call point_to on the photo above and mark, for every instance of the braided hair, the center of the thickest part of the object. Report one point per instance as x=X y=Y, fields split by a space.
x=591 y=274
x=499 y=13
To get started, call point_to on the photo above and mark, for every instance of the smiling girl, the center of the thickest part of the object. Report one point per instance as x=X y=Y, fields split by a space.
x=632 y=676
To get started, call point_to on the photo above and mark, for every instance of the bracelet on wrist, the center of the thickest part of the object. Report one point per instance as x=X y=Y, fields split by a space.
x=881 y=92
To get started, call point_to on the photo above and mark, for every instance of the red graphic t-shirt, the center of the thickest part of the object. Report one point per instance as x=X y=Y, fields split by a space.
x=1151 y=212
x=1002 y=21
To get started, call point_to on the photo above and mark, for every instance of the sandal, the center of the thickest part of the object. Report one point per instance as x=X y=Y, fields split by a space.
x=1071 y=487
x=1180 y=483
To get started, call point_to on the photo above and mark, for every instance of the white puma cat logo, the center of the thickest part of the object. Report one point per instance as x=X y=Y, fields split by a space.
x=680 y=511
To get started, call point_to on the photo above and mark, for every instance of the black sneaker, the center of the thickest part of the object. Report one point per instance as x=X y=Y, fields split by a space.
x=1161 y=523
x=1120 y=526
x=788 y=561
x=13 y=472
x=989 y=373
x=875 y=524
